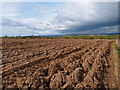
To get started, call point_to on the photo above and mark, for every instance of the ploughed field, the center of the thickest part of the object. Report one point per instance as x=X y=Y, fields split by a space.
x=57 y=63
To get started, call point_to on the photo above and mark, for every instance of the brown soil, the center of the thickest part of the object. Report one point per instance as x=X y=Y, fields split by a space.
x=57 y=63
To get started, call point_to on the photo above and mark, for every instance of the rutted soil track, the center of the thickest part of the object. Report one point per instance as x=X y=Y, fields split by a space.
x=57 y=63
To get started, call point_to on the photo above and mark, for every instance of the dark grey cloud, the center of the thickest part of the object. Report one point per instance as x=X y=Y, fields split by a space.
x=92 y=16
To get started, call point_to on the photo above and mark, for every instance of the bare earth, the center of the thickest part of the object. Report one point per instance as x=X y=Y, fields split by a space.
x=58 y=63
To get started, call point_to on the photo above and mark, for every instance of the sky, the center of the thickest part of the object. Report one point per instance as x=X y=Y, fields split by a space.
x=58 y=18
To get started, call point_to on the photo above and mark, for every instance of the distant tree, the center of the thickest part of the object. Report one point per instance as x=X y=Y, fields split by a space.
x=47 y=37
x=76 y=38
x=5 y=36
x=32 y=35
x=39 y=36
x=66 y=37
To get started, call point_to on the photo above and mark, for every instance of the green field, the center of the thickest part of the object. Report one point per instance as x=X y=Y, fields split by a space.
x=91 y=37
x=68 y=37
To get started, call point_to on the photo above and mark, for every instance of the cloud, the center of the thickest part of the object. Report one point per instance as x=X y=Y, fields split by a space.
x=87 y=16
x=65 y=18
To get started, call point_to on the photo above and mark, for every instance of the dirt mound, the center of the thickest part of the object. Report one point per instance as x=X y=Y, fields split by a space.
x=57 y=63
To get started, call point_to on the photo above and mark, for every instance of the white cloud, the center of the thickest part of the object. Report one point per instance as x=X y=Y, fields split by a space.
x=21 y=27
x=107 y=27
